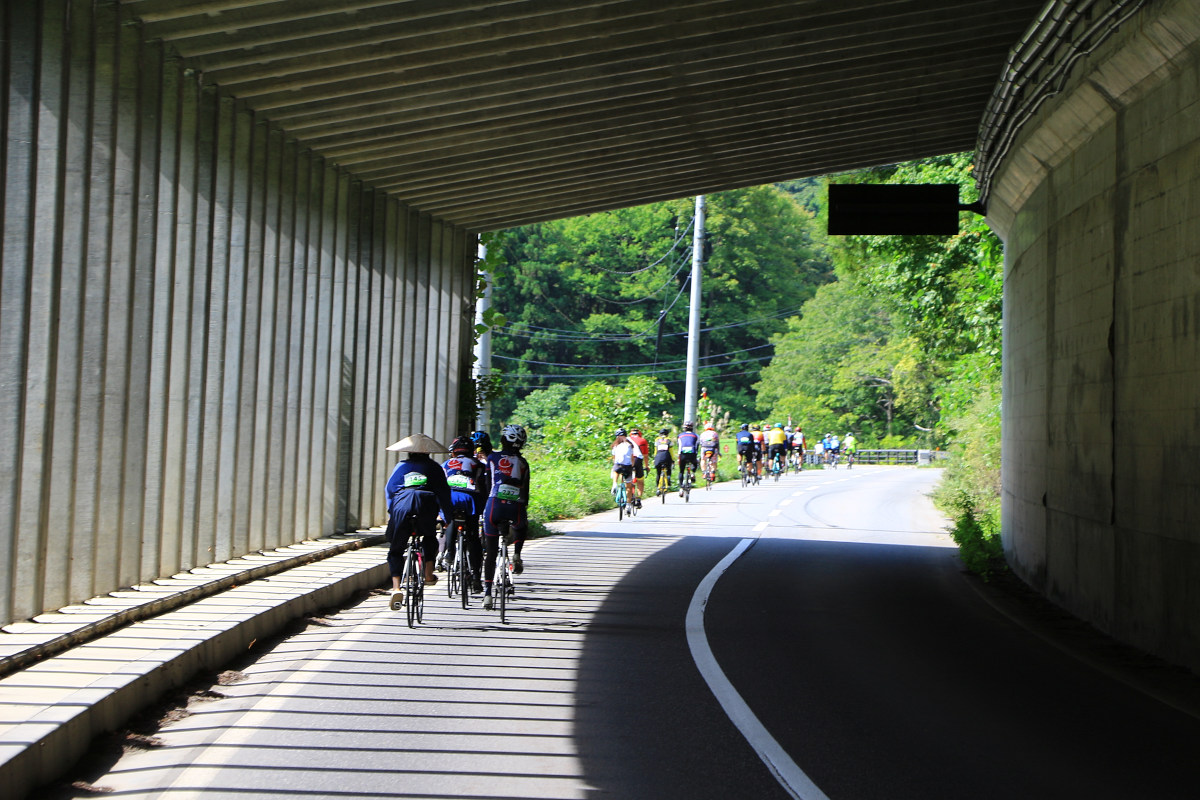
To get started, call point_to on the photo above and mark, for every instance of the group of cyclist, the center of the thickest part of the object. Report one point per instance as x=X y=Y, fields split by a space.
x=475 y=482
x=631 y=454
x=829 y=449
x=757 y=448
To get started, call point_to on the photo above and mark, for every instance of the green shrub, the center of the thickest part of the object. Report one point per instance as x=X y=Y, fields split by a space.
x=565 y=490
x=978 y=538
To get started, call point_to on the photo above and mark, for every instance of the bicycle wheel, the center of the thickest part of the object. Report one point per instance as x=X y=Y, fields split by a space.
x=663 y=487
x=453 y=576
x=502 y=581
x=620 y=503
x=462 y=568
x=420 y=590
x=409 y=582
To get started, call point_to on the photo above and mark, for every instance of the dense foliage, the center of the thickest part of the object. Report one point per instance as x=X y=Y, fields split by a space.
x=604 y=297
x=894 y=338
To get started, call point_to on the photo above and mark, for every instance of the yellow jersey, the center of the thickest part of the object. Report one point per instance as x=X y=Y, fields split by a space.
x=777 y=436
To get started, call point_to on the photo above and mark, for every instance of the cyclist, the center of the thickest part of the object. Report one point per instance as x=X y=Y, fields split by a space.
x=850 y=445
x=508 y=500
x=689 y=444
x=483 y=445
x=745 y=447
x=710 y=450
x=468 y=486
x=664 y=459
x=798 y=446
x=624 y=453
x=641 y=458
x=777 y=443
x=415 y=492
x=760 y=449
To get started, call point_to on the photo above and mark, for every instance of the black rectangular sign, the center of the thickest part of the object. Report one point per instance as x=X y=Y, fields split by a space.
x=893 y=210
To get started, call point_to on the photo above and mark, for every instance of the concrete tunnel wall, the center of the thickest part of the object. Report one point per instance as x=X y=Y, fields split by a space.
x=1099 y=207
x=208 y=335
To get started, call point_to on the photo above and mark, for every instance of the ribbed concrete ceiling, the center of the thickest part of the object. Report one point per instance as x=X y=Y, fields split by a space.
x=494 y=114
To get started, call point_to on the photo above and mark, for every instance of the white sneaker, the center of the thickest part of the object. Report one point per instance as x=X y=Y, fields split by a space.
x=488 y=602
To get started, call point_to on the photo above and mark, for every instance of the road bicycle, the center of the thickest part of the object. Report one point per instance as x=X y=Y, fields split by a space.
x=412 y=579
x=625 y=500
x=710 y=472
x=849 y=459
x=776 y=467
x=664 y=483
x=756 y=470
x=502 y=585
x=743 y=472
x=687 y=479
x=831 y=459
x=459 y=573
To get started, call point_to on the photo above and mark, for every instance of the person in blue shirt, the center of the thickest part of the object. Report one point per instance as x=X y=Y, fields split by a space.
x=416 y=491
x=689 y=444
x=468 y=487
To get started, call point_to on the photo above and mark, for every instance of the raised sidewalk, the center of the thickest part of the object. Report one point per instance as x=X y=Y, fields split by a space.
x=70 y=675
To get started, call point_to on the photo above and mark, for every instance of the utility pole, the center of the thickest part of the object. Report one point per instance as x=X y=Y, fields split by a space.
x=483 y=347
x=690 y=396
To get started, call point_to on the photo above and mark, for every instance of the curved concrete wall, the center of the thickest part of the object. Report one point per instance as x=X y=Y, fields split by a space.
x=207 y=334
x=1099 y=208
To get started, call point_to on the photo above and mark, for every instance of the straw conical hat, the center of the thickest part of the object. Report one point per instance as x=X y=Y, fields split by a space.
x=417 y=443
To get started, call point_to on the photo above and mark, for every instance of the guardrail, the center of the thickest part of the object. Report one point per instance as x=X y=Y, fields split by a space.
x=899 y=457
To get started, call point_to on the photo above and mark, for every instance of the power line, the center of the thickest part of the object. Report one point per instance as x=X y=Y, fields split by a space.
x=651 y=296
x=674 y=244
x=515 y=329
x=620 y=366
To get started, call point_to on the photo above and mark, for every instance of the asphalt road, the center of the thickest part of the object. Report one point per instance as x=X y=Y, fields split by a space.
x=836 y=650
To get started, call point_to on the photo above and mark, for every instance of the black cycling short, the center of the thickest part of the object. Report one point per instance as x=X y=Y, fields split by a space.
x=746 y=452
x=663 y=458
x=638 y=469
x=624 y=470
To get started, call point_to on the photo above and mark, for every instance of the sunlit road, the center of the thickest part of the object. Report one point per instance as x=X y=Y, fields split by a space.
x=842 y=636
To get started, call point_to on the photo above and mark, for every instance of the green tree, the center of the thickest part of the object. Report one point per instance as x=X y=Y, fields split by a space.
x=585 y=431
x=540 y=408
x=588 y=297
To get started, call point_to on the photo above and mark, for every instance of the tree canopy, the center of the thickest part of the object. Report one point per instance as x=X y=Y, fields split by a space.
x=605 y=296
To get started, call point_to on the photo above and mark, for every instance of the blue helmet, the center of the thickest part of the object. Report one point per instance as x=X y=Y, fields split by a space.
x=482 y=441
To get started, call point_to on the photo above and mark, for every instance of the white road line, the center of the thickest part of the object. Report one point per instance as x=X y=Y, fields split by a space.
x=786 y=502
x=762 y=526
x=775 y=512
x=781 y=765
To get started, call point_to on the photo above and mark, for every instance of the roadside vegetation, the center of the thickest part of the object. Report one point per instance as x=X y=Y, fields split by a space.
x=896 y=339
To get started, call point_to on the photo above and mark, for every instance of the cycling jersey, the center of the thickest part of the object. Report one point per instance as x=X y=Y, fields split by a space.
x=662 y=451
x=776 y=436
x=468 y=483
x=745 y=441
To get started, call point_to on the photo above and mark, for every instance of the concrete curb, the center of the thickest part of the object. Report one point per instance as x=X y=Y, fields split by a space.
x=51 y=711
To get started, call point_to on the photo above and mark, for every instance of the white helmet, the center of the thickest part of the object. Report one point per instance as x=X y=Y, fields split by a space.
x=514 y=435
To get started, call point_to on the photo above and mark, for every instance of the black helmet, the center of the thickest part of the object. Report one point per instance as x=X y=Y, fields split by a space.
x=462 y=445
x=620 y=432
x=482 y=441
x=664 y=431
x=745 y=426
x=687 y=426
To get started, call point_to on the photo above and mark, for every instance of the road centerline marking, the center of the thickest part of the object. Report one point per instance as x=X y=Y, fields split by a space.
x=793 y=779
